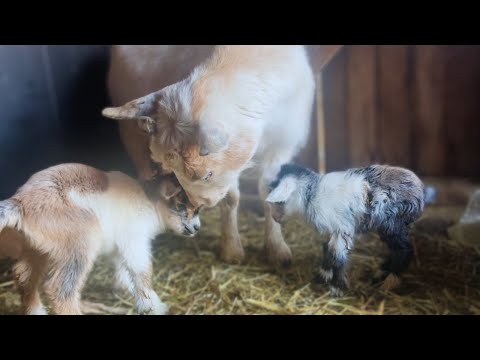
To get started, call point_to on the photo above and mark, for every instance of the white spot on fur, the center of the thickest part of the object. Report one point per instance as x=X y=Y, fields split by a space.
x=37 y=310
x=327 y=275
x=380 y=201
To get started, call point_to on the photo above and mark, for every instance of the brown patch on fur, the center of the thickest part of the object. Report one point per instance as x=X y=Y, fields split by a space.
x=191 y=212
x=233 y=158
x=366 y=190
x=46 y=192
x=393 y=175
x=181 y=199
x=11 y=243
x=62 y=178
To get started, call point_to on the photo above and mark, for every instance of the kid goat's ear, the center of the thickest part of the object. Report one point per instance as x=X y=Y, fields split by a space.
x=169 y=189
x=283 y=191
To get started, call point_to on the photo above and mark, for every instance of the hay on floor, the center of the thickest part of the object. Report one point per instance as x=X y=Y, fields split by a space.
x=442 y=279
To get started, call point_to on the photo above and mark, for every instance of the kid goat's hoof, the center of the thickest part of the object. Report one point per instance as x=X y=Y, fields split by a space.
x=320 y=280
x=336 y=292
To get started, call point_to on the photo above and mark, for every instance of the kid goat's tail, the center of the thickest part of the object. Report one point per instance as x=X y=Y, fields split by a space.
x=10 y=214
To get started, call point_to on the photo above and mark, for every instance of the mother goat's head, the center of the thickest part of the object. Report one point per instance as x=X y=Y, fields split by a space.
x=188 y=139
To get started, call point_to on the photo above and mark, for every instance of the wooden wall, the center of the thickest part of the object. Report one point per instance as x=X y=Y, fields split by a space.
x=410 y=105
x=416 y=106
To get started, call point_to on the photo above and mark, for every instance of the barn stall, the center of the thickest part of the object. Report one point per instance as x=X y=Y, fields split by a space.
x=408 y=105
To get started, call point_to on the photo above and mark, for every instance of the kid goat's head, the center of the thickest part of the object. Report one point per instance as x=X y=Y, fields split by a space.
x=175 y=209
x=291 y=192
x=281 y=199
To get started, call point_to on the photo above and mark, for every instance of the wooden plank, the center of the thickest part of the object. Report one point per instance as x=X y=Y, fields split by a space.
x=321 y=55
x=462 y=110
x=361 y=106
x=313 y=154
x=429 y=100
x=320 y=112
x=336 y=127
x=394 y=105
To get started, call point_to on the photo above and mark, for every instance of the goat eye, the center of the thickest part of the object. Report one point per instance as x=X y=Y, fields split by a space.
x=206 y=177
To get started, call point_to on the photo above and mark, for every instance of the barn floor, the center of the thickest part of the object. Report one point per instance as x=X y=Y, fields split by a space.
x=443 y=278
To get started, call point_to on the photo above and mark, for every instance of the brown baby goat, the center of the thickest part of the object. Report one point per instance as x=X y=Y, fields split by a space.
x=71 y=213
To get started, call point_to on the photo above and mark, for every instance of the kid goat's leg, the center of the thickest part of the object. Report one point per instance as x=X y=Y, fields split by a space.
x=335 y=257
x=123 y=280
x=29 y=271
x=401 y=252
x=136 y=257
x=66 y=280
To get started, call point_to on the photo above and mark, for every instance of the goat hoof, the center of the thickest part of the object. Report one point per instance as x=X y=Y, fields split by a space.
x=316 y=286
x=281 y=258
x=319 y=281
x=232 y=256
x=336 y=292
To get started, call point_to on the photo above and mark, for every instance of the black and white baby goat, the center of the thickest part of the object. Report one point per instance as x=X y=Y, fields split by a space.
x=379 y=198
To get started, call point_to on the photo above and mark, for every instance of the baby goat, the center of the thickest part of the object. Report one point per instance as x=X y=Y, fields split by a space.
x=71 y=213
x=377 y=198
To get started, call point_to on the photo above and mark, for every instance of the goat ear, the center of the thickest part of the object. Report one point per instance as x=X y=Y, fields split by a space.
x=141 y=110
x=212 y=139
x=169 y=188
x=282 y=192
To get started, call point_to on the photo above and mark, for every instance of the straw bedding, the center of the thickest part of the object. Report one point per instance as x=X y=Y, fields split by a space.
x=188 y=276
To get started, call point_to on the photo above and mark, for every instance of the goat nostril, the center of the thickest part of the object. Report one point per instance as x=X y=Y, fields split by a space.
x=196 y=227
